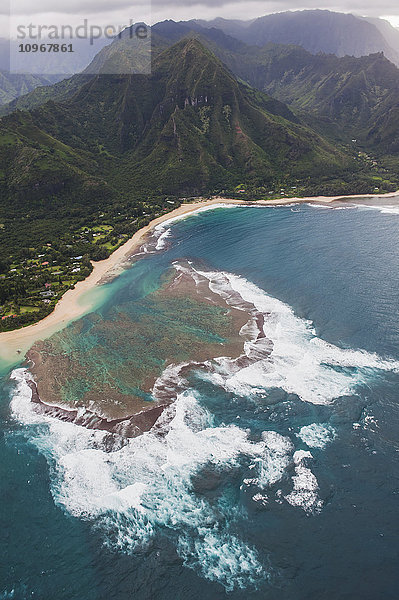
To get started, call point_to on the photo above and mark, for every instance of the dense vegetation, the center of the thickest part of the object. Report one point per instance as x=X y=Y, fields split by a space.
x=343 y=98
x=105 y=154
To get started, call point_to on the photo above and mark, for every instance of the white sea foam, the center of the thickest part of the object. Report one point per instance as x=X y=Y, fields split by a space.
x=170 y=382
x=261 y=499
x=332 y=206
x=214 y=206
x=162 y=240
x=297 y=361
x=304 y=493
x=370 y=422
x=313 y=205
x=163 y=231
x=221 y=558
x=147 y=485
x=317 y=435
x=166 y=224
x=18 y=592
x=276 y=458
x=385 y=209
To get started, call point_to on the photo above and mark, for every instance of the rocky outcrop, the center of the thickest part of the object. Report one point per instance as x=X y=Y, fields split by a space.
x=129 y=427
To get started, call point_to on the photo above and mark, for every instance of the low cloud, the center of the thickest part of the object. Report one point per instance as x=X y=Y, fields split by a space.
x=103 y=11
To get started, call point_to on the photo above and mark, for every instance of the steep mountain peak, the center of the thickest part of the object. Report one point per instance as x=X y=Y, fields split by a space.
x=190 y=45
x=193 y=72
x=190 y=122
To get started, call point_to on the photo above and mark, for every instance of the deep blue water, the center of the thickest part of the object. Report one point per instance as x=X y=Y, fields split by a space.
x=229 y=504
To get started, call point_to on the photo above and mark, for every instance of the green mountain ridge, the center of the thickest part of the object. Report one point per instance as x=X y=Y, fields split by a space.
x=316 y=31
x=80 y=174
x=347 y=94
x=190 y=121
x=218 y=129
x=342 y=98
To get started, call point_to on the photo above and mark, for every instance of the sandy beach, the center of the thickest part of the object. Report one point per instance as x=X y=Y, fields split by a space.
x=73 y=305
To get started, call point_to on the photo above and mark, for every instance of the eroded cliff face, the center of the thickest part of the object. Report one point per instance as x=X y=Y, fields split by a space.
x=129 y=427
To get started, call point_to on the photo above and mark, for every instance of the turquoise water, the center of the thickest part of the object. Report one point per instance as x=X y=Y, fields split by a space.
x=274 y=479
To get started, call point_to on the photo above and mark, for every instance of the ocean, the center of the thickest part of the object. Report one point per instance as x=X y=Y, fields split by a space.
x=272 y=476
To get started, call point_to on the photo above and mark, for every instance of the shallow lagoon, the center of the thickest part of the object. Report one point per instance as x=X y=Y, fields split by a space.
x=278 y=482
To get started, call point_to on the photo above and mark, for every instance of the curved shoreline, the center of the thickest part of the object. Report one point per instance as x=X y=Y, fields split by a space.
x=72 y=305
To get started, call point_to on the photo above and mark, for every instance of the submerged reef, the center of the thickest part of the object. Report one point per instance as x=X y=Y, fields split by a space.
x=115 y=370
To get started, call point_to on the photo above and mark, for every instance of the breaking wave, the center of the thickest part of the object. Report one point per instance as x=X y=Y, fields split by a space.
x=317 y=435
x=384 y=209
x=135 y=489
x=283 y=350
x=305 y=492
x=158 y=240
x=148 y=485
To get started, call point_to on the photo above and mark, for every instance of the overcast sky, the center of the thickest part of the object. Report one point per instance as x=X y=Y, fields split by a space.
x=118 y=12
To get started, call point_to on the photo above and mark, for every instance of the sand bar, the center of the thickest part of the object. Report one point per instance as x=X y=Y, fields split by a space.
x=73 y=304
